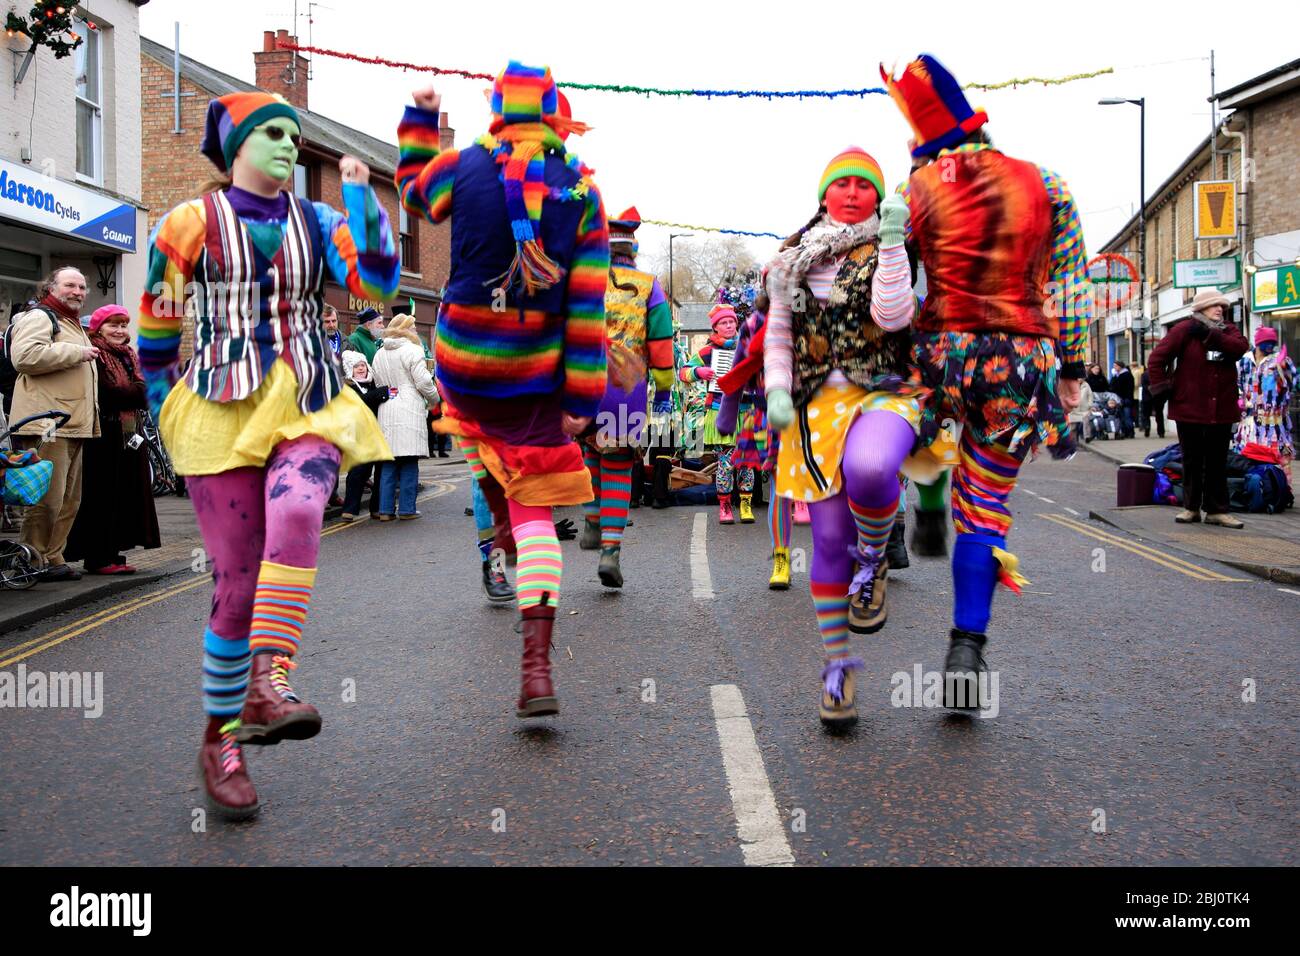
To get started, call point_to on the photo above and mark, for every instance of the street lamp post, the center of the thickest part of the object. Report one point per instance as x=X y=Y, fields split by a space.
x=672 y=301
x=1141 y=104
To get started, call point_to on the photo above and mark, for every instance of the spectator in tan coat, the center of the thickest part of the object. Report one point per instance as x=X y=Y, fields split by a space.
x=55 y=361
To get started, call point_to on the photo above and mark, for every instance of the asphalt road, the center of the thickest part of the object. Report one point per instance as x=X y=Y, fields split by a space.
x=1120 y=702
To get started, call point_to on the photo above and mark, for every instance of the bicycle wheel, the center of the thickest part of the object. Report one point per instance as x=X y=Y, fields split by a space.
x=20 y=568
x=157 y=475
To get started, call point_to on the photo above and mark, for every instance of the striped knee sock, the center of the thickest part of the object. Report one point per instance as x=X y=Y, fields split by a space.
x=873 y=524
x=225 y=674
x=981 y=484
x=591 y=458
x=476 y=466
x=539 y=565
x=280 y=607
x=831 y=602
x=779 y=512
x=615 y=494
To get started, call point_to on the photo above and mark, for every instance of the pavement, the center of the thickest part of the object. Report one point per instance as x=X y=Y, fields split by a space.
x=1268 y=546
x=1143 y=712
x=181 y=552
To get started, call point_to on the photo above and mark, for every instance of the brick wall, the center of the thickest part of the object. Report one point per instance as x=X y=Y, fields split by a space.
x=1275 y=136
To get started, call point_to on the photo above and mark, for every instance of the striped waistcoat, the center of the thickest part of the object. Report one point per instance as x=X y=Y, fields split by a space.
x=252 y=310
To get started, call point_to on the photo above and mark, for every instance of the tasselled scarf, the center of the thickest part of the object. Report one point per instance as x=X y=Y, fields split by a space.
x=521 y=149
x=824 y=240
x=121 y=371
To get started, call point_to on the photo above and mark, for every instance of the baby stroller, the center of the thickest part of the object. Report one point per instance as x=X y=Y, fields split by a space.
x=1105 y=416
x=25 y=479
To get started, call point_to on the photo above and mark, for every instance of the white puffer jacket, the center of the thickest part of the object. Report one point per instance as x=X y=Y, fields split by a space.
x=404 y=418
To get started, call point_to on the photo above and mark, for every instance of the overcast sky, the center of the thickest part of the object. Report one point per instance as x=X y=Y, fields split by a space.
x=755 y=164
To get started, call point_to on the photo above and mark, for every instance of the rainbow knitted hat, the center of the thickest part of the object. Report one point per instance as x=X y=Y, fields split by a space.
x=232 y=117
x=933 y=105
x=523 y=94
x=854 y=161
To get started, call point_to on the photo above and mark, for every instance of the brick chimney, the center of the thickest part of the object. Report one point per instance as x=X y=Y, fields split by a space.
x=282 y=71
x=446 y=135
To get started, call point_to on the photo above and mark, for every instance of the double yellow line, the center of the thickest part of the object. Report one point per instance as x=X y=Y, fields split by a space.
x=83 y=625
x=1165 y=560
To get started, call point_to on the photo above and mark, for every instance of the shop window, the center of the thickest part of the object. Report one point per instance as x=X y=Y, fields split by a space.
x=408 y=243
x=90 y=103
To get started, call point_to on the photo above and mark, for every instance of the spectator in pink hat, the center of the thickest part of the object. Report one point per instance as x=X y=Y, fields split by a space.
x=117 y=510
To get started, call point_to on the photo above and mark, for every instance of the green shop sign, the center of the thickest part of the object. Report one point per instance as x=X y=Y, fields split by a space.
x=1274 y=289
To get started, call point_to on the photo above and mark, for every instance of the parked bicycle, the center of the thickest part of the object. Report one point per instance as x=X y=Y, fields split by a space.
x=162 y=475
x=26 y=479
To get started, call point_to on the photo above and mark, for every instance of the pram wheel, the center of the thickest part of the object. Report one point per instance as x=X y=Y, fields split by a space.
x=19 y=566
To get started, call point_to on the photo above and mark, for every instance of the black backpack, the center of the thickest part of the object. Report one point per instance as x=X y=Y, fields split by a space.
x=9 y=374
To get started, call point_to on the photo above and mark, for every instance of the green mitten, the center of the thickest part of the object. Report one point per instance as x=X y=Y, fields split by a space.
x=893 y=220
x=780 y=409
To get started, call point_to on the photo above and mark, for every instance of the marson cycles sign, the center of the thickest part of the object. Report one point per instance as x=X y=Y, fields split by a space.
x=29 y=197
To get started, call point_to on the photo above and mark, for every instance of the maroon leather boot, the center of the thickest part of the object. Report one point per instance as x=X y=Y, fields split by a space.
x=272 y=711
x=225 y=773
x=536 y=693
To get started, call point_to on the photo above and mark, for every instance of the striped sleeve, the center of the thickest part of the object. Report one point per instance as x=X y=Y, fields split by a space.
x=359 y=247
x=1069 y=274
x=778 y=354
x=174 y=248
x=424 y=174
x=584 y=327
x=892 y=302
x=659 y=339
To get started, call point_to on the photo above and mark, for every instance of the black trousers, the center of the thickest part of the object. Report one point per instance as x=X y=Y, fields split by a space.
x=1205 y=459
x=1156 y=408
x=356 y=487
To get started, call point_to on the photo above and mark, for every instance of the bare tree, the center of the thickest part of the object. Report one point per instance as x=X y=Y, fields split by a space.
x=700 y=264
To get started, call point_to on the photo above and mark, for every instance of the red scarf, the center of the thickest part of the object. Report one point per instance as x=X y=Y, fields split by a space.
x=121 y=371
x=60 y=308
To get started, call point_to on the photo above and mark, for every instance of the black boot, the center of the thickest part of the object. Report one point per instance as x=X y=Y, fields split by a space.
x=896 y=550
x=930 y=536
x=961 y=670
x=611 y=575
x=663 y=467
x=496 y=584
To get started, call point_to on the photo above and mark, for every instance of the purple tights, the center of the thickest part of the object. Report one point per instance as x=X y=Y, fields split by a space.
x=877 y=444
x=251 y=515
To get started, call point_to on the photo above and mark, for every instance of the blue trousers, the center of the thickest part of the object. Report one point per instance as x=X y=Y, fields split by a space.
x=398 y=479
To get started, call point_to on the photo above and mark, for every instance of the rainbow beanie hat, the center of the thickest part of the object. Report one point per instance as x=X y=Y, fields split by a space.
x=933 y=104
x=232 y=117
x=854 y=161
x=523 y=94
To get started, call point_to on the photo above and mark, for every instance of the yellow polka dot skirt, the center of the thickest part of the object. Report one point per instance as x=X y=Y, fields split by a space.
x=808 y=468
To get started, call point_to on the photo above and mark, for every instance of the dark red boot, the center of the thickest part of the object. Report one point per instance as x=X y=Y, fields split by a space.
x=273 y=712
x=537 y=694
x=225 y=774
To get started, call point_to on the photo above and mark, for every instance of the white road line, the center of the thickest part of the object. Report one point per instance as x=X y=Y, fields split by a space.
x=701 y=580
x=1072 y=511
x=1289 y=591
x=758 y=824
x=1048 y=500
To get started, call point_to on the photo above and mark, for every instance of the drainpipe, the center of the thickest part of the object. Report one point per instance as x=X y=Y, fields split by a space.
x=1241 y=228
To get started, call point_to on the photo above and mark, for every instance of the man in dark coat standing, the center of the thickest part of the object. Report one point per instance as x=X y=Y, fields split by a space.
x=1203 y=401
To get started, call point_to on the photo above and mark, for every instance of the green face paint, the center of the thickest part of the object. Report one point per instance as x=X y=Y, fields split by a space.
x=272 y=157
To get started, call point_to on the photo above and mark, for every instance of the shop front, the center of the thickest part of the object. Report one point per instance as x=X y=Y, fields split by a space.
x=46 y=223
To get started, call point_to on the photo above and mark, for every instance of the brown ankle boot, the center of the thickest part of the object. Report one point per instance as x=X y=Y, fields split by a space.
x=536 y=693
x=224 y=772
x=273 y=712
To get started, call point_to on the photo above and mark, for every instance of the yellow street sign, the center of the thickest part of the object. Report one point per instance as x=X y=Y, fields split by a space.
x=1216 y=210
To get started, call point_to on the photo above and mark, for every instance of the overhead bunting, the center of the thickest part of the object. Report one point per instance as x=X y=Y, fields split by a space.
x=703 y=93
x=730 y=232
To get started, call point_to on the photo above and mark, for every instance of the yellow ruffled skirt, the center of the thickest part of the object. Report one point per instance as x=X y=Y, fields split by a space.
x=808 y=463
x=207 y=438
